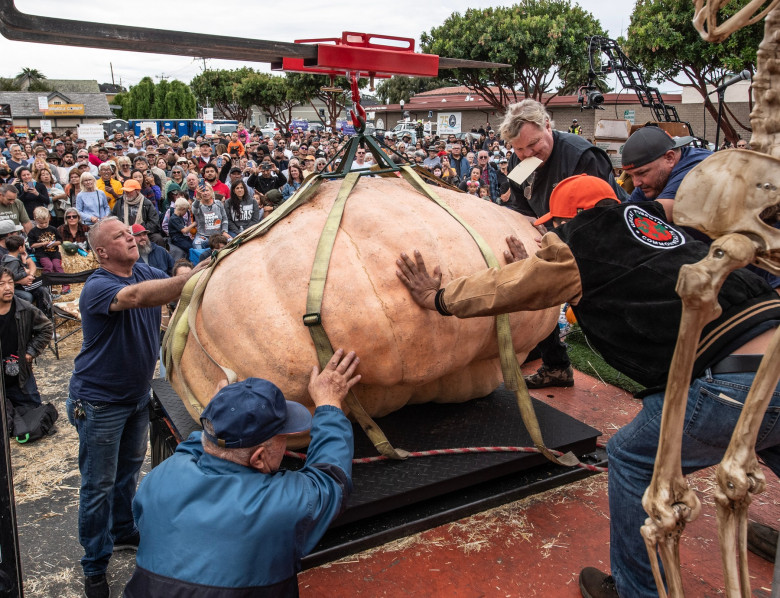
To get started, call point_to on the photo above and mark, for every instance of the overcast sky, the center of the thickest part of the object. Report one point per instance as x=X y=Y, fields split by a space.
x=257 y=19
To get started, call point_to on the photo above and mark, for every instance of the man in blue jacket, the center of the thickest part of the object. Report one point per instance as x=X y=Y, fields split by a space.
x=218 y=519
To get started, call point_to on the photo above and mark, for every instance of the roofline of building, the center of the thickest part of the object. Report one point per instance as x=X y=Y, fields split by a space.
x=458 y=101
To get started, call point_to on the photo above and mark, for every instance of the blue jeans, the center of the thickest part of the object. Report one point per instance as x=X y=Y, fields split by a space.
x=714 y=405
x=22 y=294
x=112 y=447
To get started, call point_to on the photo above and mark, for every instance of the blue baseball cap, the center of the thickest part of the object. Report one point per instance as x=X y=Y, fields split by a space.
x=249 y=412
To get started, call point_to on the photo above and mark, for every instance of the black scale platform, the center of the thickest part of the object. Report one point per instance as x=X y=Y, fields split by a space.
x=392 y=499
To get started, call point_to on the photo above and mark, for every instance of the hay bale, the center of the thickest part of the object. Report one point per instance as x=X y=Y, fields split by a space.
x=72 y=264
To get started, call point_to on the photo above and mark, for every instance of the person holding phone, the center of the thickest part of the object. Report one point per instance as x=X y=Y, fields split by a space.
x=266 y=178
x=32 y=194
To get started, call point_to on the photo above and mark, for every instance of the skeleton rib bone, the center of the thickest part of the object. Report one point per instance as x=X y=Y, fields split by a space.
x=729 y=196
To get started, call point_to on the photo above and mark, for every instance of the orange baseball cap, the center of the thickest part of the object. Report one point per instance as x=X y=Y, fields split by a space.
x=575 y=194
x=131 y=185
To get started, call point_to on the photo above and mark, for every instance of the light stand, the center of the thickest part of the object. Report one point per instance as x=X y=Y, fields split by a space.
x=721 y=99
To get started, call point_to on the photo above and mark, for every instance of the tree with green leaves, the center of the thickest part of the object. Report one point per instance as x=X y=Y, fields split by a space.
x=543 y=41
x=219 y=88
x=120 y=99
x=397 y=88
x=167 y=99
x=309 y=86
x=663 y=41
x=158 y=102
x=9 y=84
x=179 y=101
x=139 y=101
x=31 y=80
x=272 y=94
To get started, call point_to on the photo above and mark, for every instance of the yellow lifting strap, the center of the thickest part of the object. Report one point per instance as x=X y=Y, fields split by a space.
x=313 y=317
x=183 y=320
x=513 y=377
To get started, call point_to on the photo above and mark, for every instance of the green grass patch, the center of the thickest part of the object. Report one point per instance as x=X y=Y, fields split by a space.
x=586 y=360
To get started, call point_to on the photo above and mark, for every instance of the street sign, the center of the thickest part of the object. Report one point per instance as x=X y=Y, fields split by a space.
x=629 y=115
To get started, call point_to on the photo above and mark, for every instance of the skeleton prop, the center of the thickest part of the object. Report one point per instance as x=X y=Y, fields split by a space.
x=733 y=197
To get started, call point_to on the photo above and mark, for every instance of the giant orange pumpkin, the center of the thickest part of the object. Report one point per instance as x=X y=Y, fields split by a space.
x=250 y=317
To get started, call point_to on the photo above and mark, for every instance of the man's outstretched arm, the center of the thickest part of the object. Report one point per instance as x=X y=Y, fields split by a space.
x=548 y=278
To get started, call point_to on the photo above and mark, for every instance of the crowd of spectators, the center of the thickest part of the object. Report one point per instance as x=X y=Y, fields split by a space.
x=229 y=182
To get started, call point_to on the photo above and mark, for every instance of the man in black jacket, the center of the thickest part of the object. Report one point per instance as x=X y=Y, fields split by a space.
x=266 y=177
x=25 y=333
x=527 y=126
x=618 y=266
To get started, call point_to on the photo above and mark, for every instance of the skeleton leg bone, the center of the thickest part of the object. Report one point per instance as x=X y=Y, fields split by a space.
x=739 y=474
x=668 y=501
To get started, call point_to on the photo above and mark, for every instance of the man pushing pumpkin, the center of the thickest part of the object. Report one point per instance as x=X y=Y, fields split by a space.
x=617 y=265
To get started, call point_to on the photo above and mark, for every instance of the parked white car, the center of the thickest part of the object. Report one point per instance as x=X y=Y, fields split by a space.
x=269 y=129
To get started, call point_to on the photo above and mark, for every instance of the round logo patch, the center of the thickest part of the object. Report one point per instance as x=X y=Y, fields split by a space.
x=651 y=230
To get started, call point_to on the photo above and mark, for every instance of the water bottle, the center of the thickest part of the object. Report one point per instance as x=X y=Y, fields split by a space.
x=563 y=323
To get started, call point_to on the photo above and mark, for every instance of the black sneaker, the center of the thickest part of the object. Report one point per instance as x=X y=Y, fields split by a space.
x=762 y=540
x=128 y=542
x=595 y=584
x=96 y=586
x=546 y=376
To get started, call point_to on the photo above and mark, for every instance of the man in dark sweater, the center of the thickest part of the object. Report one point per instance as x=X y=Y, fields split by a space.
x=266 y=177
x=527 y=126
x=25 y=333
x=151 y=253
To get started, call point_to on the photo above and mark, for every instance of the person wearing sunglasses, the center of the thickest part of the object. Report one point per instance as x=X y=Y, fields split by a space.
x=74 y=231
x=82 y=157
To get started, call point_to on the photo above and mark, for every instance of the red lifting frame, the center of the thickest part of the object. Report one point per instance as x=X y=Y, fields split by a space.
x=357 y=52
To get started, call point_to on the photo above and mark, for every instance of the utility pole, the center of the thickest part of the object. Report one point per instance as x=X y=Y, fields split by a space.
x=111 y=64
x=204 y=62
